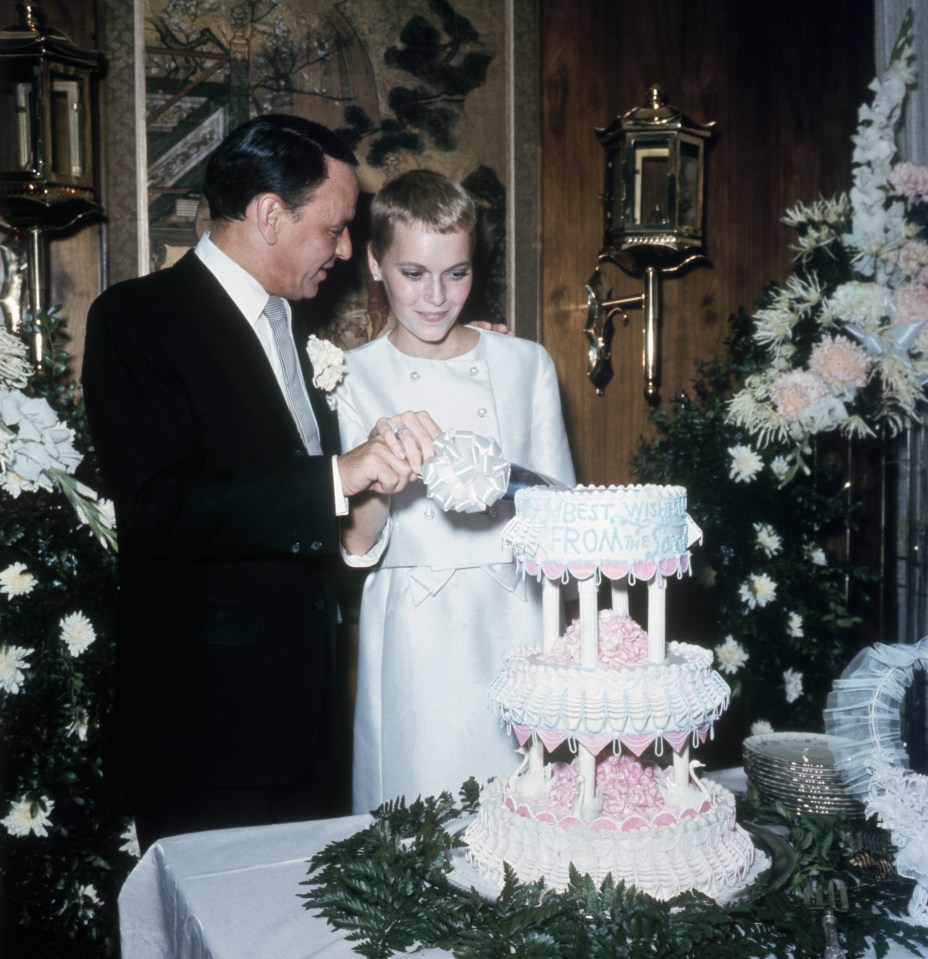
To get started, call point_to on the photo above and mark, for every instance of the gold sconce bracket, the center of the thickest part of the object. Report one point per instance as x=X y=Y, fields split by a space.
x=601 y=313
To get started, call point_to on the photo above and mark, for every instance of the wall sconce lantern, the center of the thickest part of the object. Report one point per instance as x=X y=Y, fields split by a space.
x=46 y=150
x=652 y=221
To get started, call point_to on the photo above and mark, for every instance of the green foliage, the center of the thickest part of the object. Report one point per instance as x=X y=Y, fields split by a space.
x=811 y=516
x=58 y=891
x=388 y=886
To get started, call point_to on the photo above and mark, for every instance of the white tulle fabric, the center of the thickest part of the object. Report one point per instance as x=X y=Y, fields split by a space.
x=635 y=705
x=864 y=708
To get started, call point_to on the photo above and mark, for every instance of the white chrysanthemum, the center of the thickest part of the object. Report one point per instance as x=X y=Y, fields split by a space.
x=79 y=725
x=767 y=539
x=757 y=590
x=751 y=409
x=774 y=325
x=20 y=820
x=761 y=728
x=745 y=463
x=731 y=656
x=77 y=633
x=13 y=484
x=816 y=556
x=792 y=681
x=328 y=363
x=12 y=663
x=86 y=902
x=794 y=625
x=131 y=845
x=863 y=304
x=779 y=466
x=14 y=362
x=16 y=580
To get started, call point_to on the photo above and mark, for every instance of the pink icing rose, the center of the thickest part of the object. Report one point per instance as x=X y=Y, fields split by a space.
x=622 y=642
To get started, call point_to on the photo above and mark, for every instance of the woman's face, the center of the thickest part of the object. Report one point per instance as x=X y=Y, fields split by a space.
x=427 y=278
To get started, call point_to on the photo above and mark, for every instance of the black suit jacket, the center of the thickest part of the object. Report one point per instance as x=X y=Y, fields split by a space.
x=227 y=538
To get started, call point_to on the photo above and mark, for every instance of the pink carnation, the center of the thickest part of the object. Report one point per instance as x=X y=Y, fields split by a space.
x=795 y=392
x=911 y=303
x=910 y=180
x=838 y=360
x=912 y=261
x=622 y=642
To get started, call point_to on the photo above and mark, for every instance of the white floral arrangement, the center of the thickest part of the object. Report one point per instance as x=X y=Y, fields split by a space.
x=328 y=366
x=848 y=352
x=61 y=861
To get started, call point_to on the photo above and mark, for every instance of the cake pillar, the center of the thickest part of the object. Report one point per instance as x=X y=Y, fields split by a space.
x=589 y=623
x=551 y=612
x=656 y=621
x=620 y=597
x=681 y=767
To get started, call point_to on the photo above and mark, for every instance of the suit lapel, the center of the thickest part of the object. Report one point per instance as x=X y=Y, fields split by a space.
x=232 y=344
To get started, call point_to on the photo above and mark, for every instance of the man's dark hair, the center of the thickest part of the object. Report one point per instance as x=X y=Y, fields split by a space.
x=273 y=153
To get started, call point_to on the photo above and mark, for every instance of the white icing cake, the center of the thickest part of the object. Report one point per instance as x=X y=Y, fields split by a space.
x=611 y=692
x=619 y=531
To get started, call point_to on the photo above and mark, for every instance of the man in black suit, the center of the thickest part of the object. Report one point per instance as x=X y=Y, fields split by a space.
x=227 y=490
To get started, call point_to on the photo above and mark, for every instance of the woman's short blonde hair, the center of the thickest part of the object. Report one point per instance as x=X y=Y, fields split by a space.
x=420 y=198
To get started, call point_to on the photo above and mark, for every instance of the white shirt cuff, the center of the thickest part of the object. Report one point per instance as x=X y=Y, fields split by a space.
x=372 y=556
x=341 y=501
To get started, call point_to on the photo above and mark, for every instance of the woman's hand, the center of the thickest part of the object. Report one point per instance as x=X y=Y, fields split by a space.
x=409 y=436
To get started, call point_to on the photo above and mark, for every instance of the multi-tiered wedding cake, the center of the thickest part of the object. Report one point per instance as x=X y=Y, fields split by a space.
x=610 y=693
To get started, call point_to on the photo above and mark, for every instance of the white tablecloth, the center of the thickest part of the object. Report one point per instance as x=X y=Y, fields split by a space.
x=234 y=894
x=231 y=894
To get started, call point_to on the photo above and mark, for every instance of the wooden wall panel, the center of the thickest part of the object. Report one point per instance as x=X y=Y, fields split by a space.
x=783 y=84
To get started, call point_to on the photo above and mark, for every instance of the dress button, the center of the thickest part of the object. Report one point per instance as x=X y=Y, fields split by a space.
x=414 y=375
x=319 y=604
x=482 y=411
x=295 y=548
x=299 y=452
x=429 y=513
x=315 y=545
x=474 y=371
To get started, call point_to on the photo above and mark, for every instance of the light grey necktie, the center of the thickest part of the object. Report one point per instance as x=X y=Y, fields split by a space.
x=276 y=313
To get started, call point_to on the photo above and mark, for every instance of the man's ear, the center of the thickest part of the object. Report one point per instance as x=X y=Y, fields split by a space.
x=269 y=210
x=373 y=265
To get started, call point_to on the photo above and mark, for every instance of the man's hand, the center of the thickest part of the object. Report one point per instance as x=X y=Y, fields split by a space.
x=392 y=457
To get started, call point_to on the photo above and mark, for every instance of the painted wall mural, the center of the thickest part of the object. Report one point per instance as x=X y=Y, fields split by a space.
x=408 y=83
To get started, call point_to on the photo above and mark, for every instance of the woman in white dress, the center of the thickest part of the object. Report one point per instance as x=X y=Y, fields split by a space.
x=444 y=600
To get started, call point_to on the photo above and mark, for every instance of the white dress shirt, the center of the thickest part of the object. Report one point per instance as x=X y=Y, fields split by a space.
x=251 y=298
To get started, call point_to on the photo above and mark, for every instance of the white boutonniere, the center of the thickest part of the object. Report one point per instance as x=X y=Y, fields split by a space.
x=328 y=366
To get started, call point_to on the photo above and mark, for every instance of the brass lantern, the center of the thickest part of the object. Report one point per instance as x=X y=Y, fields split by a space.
x=652 y=220
x=46 y=147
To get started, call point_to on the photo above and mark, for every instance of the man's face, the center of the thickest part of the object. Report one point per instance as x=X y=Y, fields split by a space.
x=312 y=238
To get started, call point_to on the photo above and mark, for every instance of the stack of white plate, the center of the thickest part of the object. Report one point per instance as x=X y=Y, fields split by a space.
x=797 y=769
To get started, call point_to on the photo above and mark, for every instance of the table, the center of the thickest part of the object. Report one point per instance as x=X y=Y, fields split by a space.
x=233 y=894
